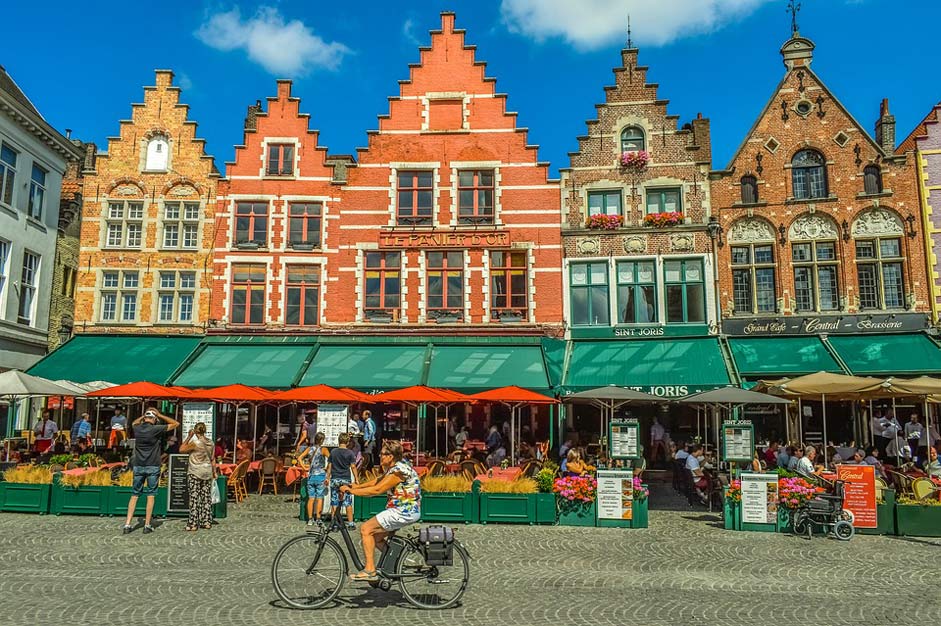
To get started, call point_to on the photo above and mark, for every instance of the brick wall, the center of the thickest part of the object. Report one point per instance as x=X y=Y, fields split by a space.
x=62 y=300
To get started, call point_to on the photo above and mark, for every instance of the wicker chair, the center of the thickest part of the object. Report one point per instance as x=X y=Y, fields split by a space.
x=237 y=482
x=268 y=474
x=436 y=467
x=924 y=489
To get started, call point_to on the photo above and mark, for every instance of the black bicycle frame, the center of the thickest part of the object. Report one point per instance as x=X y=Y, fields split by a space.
x=337 y=524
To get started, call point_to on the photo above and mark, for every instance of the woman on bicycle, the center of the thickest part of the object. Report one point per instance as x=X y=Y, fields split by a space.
x=400 y=481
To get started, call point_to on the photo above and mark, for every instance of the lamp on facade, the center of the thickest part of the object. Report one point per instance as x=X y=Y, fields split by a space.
x=715 y=230
x=911 y=225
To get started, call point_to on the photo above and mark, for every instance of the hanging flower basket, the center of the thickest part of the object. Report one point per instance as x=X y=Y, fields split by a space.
x=601 y=221
x=635 y=160
x=663 y=220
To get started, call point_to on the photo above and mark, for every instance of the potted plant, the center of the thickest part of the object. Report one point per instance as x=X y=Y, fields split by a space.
x=26 y=489
x=641 y=494
x=448 y=499
x=446 y=316
x=918 y=518
x=792 y=494
x=508 y=501
x=663 y=220
x=635 y=160
x=732 y=507
x=82 y=494
x=575 y=497
x=602 y=221
x=545 y=497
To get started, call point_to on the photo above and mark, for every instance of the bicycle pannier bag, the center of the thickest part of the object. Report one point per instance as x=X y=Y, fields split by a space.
x=437 y=543
x=390 y=556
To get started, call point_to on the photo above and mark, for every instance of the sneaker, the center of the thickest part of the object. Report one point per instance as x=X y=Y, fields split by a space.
x=127 y=529
x=311 y=522
x=148 y=529
x=350 y=526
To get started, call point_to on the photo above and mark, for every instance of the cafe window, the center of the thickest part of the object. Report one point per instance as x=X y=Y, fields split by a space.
x=879 y=268
x=444 y=284
x=118 y=296
x=475 y=193
x=632 y=139
x=809 y=175
x=588 y=292
x=248 y=294
x=415 y=195
x=664 y=200
x=815 y=276
x=383 y=284
x=280 y=159
x=685 y=291
x=251 y=224
x=753 y=280
x=604 y=202
x=305 y=221
x=302 y=295
x=509 y=284
x=637 y=292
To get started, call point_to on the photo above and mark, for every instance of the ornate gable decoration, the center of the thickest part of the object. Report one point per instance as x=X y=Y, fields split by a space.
x=812 y=227
x=877 y=222
x=750 y=229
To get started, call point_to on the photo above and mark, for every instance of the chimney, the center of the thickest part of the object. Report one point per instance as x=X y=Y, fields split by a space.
x=252 y=115
x=885 y=128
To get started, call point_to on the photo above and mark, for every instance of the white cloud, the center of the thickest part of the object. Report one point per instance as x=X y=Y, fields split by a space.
x=281 y=47
x=184 y=81
x=589 y=24
x=408 y=31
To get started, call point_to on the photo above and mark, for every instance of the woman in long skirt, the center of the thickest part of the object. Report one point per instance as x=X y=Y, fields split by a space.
x=201 y=473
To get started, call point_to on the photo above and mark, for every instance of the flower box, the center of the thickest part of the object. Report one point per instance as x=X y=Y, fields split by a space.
x=364 y=507
x=603 y=221
x=918 y=520
x=640 y=513
x=885 y=516
x=120 y=497
x=25 y=498
x=545 y=508
x=450 y=507
x=85 y=500
x=577 y=514
x=635 y=159
x=663 y=220
x=509 y=318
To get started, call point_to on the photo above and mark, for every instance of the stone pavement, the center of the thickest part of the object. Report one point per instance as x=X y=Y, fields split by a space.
x=682 y=570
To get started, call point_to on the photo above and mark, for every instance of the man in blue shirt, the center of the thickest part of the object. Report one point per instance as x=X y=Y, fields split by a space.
x=81 y=429
x=369 y=435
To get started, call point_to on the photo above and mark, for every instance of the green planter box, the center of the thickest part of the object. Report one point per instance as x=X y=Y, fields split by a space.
x=508 y=508
x=24 y=498
x=450 y=507
x=918 y=520
x=221 y=510
x=88 y=500
x=545 y=508
x=784 y=520
x=577 y=515
x=640 y=513
x=120 y=497
x=731 y=515
x=885 y=516
x=364 y=507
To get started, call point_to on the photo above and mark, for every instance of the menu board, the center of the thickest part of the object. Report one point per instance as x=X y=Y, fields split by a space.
x=738 y=441
x=859 y=493
x=331 y=421
x=178 y=489
x=195 y=412
x=615 y=494
x=759 y=498
x=624 y=437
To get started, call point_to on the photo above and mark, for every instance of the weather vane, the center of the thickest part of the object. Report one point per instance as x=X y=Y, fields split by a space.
x=793 y=8
x=630 y=44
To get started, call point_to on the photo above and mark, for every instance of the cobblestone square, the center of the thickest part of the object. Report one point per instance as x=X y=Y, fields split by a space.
x=682 y=570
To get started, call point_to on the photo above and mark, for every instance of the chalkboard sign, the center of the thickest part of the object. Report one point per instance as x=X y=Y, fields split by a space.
x=178 y=491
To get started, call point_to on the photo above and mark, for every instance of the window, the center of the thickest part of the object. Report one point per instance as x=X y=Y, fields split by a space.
x=28 y=282
x=158 y=155
x=872 y=179
x=685 y=290
x=176 y=296
x=809 y=175
x=383 y=284
x=280 y=160
x=665 y=200
x=251 y=224
x=4 y=261
x=7 y=173
x=475 y=196
x=305 y=224
x=124 y=226
x=119 y=288
x=37 y=192
x=879 y=268
x=444 y=272
x=248 y=294
x=749 y=190
x=632 y=139
x=815 y=276
x=181 y=218
x=637 y=292
x=67 y=288
x=588 y=291
x=753 y=281
x=415 y=194
x=509 y=284
x=605 y=202
x=303 y=295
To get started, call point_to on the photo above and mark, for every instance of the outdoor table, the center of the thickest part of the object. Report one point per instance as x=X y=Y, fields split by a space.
x=80 y=471
x=421 y=470
x=510 y=473
x=293 y=473
x=226 y=469
x=474 y=444
x=453 y=468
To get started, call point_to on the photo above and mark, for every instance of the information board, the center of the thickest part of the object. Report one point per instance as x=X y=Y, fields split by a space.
x=738 y=440
x=860 y=493
x=759 y=498
x=615 y=494
x=195 y=412
x=331 y=421
x=624 y=436
x=178 y=489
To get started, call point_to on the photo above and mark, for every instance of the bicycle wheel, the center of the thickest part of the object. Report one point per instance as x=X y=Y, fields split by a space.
x=308 y=571
x=433 y=586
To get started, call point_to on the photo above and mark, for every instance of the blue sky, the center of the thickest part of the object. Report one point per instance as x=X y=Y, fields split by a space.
x=553 y=57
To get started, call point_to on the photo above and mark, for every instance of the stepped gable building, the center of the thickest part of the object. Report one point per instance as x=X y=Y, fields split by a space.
x=821 y=237
x=147 y=224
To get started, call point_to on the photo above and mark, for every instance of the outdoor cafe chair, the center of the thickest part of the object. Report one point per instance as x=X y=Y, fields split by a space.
x=268 y=475
x=237 y=481
x=903 y=483
x=924 y=489
x=436 y=467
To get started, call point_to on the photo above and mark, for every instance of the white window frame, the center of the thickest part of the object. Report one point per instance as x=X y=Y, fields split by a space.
x=8 y=173
x=119 y=291
x=181 y=223
x=175 y=292
x=37 y=188
x=31 y=285
x=5 y=248
x=124 y=222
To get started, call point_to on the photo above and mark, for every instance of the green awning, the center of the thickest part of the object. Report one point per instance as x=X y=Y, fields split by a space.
x=260 y=365
x=117 y=359
x=472 y=369
x=554 y=351
x=888 y=354
x=774 y=357
x=695 y=364
x=367 y=368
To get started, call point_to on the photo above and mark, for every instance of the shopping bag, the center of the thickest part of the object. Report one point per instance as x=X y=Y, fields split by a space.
x=216 y=496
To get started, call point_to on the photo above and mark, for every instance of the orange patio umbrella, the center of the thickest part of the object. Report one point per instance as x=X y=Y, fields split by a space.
x=421 y=395
x=316 y=393
x=359 y=395
x=233 y=393
x=513 y=397
x=140 y=389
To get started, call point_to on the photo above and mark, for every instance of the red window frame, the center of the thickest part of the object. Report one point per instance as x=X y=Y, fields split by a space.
x=256 y=214
x=382 y=267
x=444 y=266
x=280 y=159
x=303 y=285
x=411 y=194
x=308 y=211
x=473 y=205
x=254 y=282
x=507 y=264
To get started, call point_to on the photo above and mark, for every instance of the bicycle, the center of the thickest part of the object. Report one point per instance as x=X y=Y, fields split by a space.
x=309 y=571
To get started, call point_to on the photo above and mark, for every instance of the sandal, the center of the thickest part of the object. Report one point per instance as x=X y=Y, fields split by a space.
x=190 y=529
x=206 y=526
x=364 y=576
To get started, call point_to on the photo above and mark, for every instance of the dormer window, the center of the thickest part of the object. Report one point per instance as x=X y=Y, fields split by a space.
x=280 y=160
x=632 y=139
x=158 y=154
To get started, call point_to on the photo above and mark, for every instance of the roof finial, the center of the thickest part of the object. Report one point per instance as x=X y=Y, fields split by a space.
x=793 y=8
x=630 y=42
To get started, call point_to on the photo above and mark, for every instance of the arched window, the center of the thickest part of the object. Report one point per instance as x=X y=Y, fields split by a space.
x=158 y=153
x=809 y=175
x=872 y=179
x=749 y=189
x=632 y=139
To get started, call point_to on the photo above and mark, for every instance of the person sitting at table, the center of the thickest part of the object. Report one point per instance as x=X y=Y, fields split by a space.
x=693 y=465
x=681 y=453
x=219 y=451
x=898 y=449
x=574 y=465
x=785 y=453
x=756 y=460
x=933 y=466
x=797 y=453
x=242 y=451
x=770 y=455
x=805 y=461
x=495 y=458
x=564 y=448
x=460 y=437
x=872 y=458
x=494 y=439
x=525 y=452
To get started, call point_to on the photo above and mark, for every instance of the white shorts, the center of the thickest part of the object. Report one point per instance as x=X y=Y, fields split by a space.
x=395 y=519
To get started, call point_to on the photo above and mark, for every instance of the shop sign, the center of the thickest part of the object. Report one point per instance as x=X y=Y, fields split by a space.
x=860 y=493
x=332 y=420
x=827 y=324
x=738 y=440
x=178 y=488
x=624 y=436
x=759 y=498
x=641 y=332
x=615 y=494
x=194 y=412
x=444 y=239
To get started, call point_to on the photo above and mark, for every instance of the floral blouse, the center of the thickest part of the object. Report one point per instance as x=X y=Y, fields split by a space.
x=406 y=496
